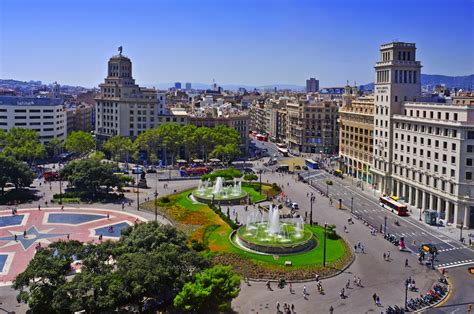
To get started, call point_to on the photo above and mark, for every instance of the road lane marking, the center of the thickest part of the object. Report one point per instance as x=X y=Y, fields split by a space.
x=455 y=264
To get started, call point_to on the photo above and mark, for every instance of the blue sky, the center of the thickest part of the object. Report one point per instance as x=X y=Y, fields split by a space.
x=248 y=42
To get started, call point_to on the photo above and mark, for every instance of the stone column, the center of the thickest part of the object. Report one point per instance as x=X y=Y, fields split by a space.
x=456 y=215
x=417 y=198
x=401 y=191
x=431 y=205
x=410 y=195
x=423 y=200
x=448 y=211
x=467 y=216
x=438 y=206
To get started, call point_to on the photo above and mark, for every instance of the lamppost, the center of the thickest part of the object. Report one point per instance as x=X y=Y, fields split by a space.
x=327 y=188
x=324 y=251
x=260 y=173
x=406 y=294
x=352 y=204
x=60 y=185
x=156 y=198
x=460 y=230
x=311 y=201
x=385 y=225
x=138 y=191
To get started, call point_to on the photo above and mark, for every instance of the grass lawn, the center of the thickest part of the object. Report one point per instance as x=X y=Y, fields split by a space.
x=254 y=195
x=201 y=223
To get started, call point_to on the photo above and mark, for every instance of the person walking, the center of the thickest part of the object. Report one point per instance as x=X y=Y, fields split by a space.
x=331 y=310
x=291 y=288
x=374 y=296
x=406 y=262
x=348 y=283
x=388 y=255
x=384 y=256
x=304 y=291
x=341 y=294
x=278 y=307
x=377 y=301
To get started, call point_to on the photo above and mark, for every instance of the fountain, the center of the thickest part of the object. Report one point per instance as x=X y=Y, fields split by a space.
x=273 y=236
x=220 y=192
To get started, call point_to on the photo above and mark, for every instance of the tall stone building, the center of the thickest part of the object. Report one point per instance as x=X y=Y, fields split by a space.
x=397 y=80
x=356 y=125
x=123 y=107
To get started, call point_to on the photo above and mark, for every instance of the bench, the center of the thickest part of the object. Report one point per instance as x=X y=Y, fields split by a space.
x=288 y=263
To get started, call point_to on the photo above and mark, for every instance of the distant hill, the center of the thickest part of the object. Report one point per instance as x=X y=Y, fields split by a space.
x=464 y=82
x=232 y=87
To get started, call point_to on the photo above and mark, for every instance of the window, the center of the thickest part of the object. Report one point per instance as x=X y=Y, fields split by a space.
x=453 y=173
x=445 y=158
x=470 y=148
x=470 y=135
x=454 y=133
x=468 y=175
x=469 y=162
x=455 y=117
x=444 y=170
x=453 y=146
x=453 y=159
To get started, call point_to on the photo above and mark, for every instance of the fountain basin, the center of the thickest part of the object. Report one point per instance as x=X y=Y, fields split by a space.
x=291 y=240
x=220 y=193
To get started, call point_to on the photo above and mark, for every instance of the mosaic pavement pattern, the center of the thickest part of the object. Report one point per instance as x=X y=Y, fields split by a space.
x=20 y=234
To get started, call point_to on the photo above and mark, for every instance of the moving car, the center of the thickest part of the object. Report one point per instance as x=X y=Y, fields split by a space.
x=137 y=170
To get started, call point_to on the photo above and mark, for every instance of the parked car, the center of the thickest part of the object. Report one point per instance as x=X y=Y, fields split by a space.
x=294 y=206
x=137 y=170
x=151 y=169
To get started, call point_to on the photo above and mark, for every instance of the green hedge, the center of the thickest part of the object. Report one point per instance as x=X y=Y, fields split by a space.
x=227 y=174
x=224 y=217
x=87 y=196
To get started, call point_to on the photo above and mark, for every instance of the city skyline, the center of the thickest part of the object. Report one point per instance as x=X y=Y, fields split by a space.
x=264 y=43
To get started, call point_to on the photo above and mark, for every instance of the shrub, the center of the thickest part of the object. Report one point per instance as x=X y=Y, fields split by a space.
x=331 y=232
x=250 y=177
x=224 y=217
x=227 y=174
x=276 y=187
x=197 y=246
x=164 y=200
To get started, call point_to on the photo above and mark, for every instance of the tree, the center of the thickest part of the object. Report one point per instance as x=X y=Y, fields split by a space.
x=53 y=147
x=211 y=292
x=224 y=135
x=188 y=138
x=171 y=139
x=23 y=144
x=250 y=177
x=150 y=140
x=97 y=155
x=149 y=261
x=119 y=147
x=14 y=171
x=90 y=175
x=204 y=141
x=226 y=152
x=80 y=142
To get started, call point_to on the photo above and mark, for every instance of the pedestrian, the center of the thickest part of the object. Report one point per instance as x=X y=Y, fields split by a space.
x=388 y=255
x=384 y=256
x=278 y=306
x=16 y=238
x=359 y=282
x=341 y=294
x=108 y=217
x=24 y=233
x=406 y=262
x=39 y=207
x=355 y=248
x=62 y=207
x=100 y=237
x=291 y=288
x=292 y=307
x=345 y=229
x=374 y=296
x=67 y=236
x=331 y=310
x=304 y=291
x=123 y=205
x=348 y=283
x=377 y=301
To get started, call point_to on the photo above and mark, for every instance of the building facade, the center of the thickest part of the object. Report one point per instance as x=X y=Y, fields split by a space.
x=44 y=115
x=122 y=107
x=312 y=85
x=356 y=124
x=80 y=118
x=312 y=126
x=422 y=151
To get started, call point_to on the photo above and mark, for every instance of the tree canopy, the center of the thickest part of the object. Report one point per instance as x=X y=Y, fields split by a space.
x=149 y=261
x=118 y=146
x=90 y=175
x=14 y=171
x=80 y=142
x=23 y=144
x=211 y=292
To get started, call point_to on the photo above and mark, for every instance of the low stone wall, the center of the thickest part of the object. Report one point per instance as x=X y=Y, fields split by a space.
x=278 y=250
x=233 y=201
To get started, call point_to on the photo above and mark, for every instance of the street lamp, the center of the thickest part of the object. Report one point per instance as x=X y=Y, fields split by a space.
x=385 y=225
x=324 y=251
x=260 y=173
x=156 y=197
x=327 y=188
x=352 y=204
x=311 y=201
x=406 y=294
x=460 y=230
x=138 y=191
x=60 y=185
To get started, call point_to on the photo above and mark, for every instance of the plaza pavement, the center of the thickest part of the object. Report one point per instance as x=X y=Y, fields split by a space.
x=378 y=276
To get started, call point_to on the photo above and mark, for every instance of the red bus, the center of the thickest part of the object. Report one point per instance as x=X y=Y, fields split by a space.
x=389 y=203
x=198 y=171
x=261 y=137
